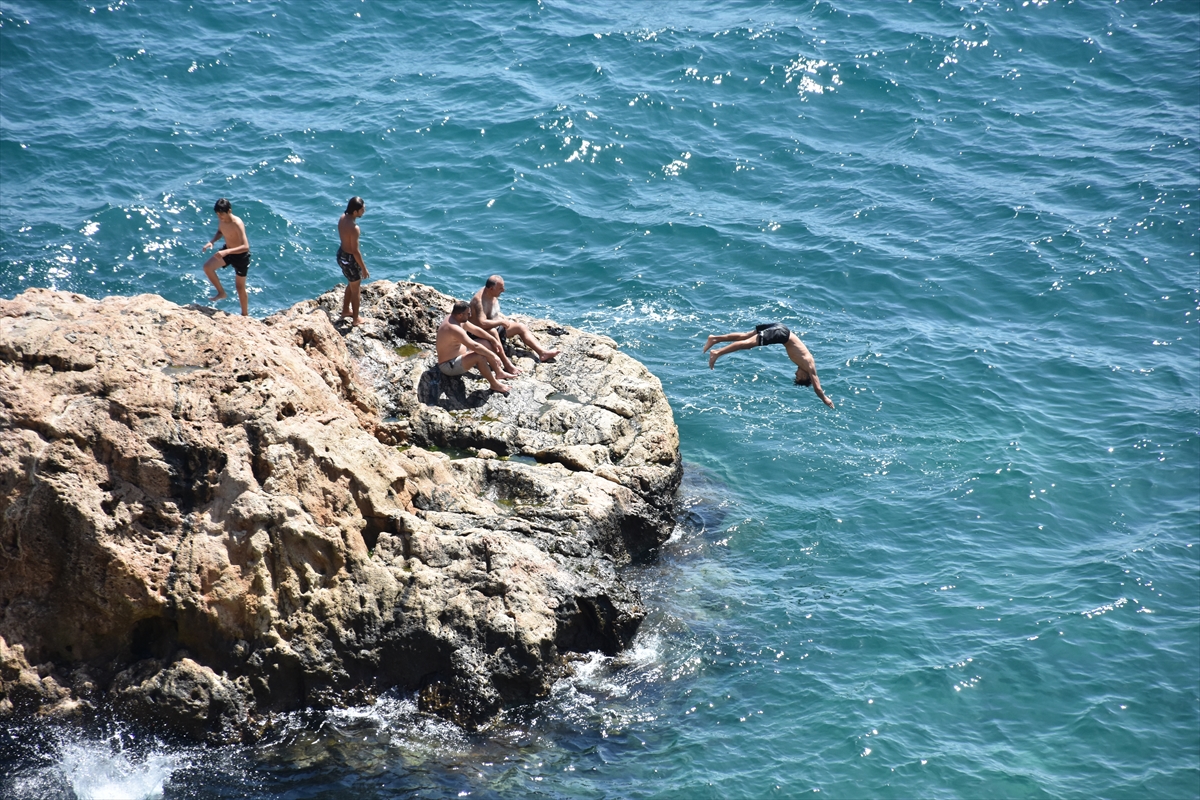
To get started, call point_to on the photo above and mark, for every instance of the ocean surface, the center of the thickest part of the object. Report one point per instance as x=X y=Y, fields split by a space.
x=979 y=576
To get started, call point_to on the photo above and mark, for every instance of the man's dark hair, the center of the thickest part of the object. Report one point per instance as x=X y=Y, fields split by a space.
x=222 y=206
x=492 y=281
x=355 y=204
x=460 y=307
x=805 y=381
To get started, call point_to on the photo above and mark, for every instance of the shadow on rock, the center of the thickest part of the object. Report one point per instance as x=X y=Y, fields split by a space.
x=433 y=386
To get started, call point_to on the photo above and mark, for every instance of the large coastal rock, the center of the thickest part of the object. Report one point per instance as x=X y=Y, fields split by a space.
x=205 y=519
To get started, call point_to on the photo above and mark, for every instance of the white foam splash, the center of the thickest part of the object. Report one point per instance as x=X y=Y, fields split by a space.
x=104 y=771
x=399 y=716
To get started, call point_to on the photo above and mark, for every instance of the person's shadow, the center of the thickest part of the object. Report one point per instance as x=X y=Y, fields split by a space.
x=436 y=389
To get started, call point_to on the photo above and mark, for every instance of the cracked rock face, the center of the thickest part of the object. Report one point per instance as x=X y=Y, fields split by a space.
x=205 y=519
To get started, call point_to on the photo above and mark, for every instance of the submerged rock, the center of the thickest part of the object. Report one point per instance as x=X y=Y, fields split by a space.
x=205 y=519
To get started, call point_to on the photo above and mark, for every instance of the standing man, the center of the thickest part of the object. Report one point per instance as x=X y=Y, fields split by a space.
x=236 y=253
x=457 y=352
x=485 y=312
x=350 y=259
x=772 y=333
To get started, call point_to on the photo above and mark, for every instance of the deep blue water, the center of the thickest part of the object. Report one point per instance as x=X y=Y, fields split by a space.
x=977 y=577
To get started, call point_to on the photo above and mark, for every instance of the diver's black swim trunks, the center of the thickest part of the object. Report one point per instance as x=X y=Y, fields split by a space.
x=772 y=333
x=349 y=265
x=239 y=261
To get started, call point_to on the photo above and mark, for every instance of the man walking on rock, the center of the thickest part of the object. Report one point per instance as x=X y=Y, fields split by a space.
x=235 y=253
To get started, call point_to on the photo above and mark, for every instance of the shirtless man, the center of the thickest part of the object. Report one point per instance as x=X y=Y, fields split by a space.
x=485 y=312
x=236 y=253
x=772 y=333
x=457 y=352
x=350 y=259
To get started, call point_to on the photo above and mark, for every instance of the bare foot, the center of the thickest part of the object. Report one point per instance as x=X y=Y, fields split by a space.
x=356 y=323
x=498 y=389
x=712 y=359
x=217 y=296
x=549 y=355
x=513 y=368
x=711 y=341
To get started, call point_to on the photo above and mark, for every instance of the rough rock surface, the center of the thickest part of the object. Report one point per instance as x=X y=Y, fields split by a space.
x=205 y=519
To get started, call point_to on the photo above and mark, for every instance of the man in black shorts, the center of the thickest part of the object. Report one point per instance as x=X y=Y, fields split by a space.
x=350 y=259
x=772 y=333
x=235 y=253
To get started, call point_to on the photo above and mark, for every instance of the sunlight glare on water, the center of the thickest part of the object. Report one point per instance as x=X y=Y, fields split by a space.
x=978 y=576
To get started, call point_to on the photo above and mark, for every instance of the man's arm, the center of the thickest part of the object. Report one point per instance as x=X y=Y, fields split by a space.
x=478 y=348
x=213 y=240
x=459 y=334
x=817 y=389
x=474 y=330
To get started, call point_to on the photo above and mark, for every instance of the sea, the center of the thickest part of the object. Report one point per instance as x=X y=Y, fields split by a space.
x=977 y=576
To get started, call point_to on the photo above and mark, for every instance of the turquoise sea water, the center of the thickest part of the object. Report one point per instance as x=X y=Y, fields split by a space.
x=978 y=577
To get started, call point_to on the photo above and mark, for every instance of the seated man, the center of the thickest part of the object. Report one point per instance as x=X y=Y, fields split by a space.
x=485 y=312
x=457 y=352
x=772 y=333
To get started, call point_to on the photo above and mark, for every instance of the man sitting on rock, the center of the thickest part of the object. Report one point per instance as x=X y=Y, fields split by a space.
x=485 y=312
x=772 y=333
x=457 y=352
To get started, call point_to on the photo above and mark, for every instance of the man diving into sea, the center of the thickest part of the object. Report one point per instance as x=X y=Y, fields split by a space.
x=772 y=333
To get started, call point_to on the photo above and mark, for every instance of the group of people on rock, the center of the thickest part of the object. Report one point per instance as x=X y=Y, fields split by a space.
x=473 y=335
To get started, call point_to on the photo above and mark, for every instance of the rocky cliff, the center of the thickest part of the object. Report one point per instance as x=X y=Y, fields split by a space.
x=206 y=519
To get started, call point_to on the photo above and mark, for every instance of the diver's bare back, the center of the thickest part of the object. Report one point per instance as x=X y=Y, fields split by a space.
x=348 y=232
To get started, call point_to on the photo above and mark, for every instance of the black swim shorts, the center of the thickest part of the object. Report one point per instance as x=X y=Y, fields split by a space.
x=239 y=261
x=349 y=265
x=772 y=333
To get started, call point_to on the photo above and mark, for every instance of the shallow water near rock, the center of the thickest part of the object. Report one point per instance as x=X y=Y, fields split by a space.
x=977 y=577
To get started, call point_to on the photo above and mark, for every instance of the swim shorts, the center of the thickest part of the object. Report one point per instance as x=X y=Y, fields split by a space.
x=239 y=261
x=349 y=265
x=453 y=368
x=772 y=333
x=502 y=334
